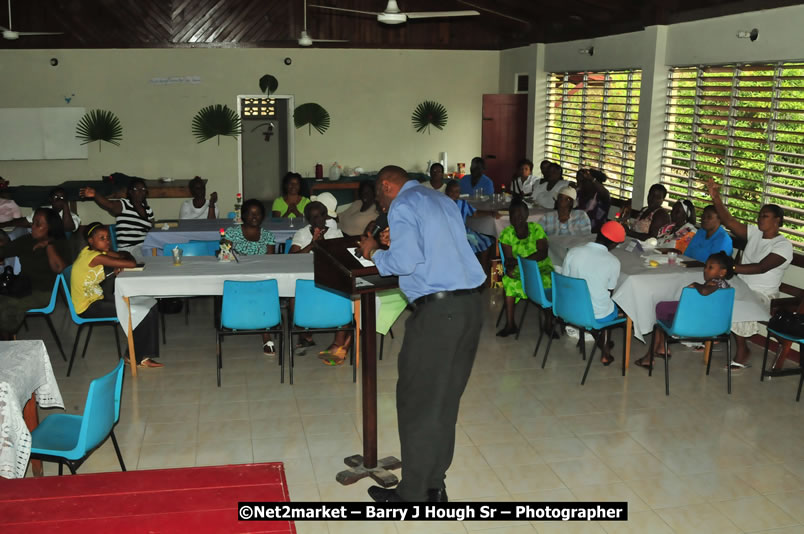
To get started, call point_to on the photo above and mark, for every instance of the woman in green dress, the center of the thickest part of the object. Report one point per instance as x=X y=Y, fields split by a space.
x=527 y=240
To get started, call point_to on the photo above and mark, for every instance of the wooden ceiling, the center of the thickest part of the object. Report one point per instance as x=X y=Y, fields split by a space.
x=278 y=23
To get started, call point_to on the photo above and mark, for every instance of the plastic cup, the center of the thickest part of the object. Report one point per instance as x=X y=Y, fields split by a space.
x=672 y=258
x=177 y=253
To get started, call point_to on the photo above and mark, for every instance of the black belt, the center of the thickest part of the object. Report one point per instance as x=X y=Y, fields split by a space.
x=445 y=294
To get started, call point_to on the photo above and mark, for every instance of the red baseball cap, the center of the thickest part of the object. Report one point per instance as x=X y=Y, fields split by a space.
x=614 y=231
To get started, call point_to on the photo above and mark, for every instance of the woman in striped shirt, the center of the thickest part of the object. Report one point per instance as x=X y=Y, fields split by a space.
x=134 y=217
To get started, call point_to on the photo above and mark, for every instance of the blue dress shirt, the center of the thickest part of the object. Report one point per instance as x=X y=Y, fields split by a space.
x=700 y=248
x=429 y=251
x=484 y=184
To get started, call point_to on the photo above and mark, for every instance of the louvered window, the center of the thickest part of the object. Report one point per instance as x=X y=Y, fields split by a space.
x=743 y=125
x=592 y=123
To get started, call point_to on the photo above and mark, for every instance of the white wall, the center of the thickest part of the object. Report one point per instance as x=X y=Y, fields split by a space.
x=370 y=95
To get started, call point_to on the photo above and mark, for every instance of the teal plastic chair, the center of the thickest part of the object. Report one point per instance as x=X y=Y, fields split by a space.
x=572 y=304
x=288 y=244
x=531 y=279
x=780 y=336
x=46 y=311
x=250 y=308
x=82 y=322
x=502 y=310
x=698 y=318
x=193 y=248
x=323 y=311
x=113 y=236
x=70 y=439
x=231 y=215
x=212 y=246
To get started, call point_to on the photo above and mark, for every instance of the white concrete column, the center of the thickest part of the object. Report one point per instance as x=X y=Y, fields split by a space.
x=537 y=102
x=652 y=99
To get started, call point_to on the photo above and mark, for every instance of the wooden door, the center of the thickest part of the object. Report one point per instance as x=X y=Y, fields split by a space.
x=505 y=127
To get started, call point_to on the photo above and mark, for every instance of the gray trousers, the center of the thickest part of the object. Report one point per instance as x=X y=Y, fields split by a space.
x=435 y=362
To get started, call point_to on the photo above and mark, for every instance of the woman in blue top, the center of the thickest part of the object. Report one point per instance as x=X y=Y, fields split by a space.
x=476 y=180
x=712 y=237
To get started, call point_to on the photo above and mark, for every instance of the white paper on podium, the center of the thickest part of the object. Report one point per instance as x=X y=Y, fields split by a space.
x=363 y=261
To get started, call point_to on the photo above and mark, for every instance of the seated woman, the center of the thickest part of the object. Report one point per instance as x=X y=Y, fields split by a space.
x=766 y=257
x=711 y=238
x=476 y=182
x=564 y=220
x=199 y=207
x=593 y=197
x=291 y=204
x=481 y=243
x=319 y=227
x=9 y=210
x=436 y=180
x=357 y=216
x=546 y=191
x=70 y=220
x=251 y=239
x=678 y=234
x=92 y=283
x=719 y=268
x=523 y=182
x=652 y=217
x=41 y=254
x=528 y=240
x=134 y=217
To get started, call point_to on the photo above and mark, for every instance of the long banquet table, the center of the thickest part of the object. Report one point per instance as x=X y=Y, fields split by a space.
x=201 y=276
x=209 y=230
x=26 y=378
x=640 y=288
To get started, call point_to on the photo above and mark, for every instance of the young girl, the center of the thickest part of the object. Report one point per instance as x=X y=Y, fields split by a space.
x=93 y=291
x=678 y=234
x=719 y=268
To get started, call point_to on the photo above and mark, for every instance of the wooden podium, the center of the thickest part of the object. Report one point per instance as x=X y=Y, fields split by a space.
x=336 y=269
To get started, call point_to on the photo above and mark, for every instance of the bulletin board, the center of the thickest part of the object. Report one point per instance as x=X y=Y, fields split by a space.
x=40 y=133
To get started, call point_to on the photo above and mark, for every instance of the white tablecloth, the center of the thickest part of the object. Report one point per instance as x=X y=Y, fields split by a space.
x=491 y=225
x=640 y=288
x=209 y=230
x=204 y=275
x=24 y=369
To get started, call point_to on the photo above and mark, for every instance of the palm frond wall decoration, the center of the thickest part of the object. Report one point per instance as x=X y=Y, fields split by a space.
x=311 y=115
x=99 y=125
x=215 y=121
x=429 y=113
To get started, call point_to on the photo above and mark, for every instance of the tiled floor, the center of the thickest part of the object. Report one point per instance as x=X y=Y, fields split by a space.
x=696 y=461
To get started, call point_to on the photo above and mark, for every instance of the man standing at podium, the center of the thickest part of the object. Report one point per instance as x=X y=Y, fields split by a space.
x=442 y=280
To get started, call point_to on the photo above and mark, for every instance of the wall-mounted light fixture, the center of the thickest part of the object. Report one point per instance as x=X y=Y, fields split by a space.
x=753 y=34
x=588 y=51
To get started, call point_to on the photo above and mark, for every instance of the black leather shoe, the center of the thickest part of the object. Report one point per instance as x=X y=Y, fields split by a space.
x=384 y=495
x=437 y=495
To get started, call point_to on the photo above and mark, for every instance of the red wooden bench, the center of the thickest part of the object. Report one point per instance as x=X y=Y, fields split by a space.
x=194 y=499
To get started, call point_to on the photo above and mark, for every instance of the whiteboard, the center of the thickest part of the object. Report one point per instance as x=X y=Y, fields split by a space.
x=40 y=133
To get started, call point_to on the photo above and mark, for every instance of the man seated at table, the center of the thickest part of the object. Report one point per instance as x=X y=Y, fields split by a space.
x=477 y=182
x=199 y=207
x=595 y=263
x=564 y=220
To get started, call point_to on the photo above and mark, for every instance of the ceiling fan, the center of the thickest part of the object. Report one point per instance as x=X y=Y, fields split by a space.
x=306 y=40
x=11 y=35
x=393 y=15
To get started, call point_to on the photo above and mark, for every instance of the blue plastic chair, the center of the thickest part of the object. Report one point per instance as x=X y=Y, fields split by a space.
x=572 y=304
x=193 y=248
x=70 y=439
x=250 y=308
x=502 y=310
x=81 y=321
x=698 y=318
x=113 y=236
x=532 y=284
x=231 y=215
x=323 y=311
x=212 y=246
x=288 y=244
x=786 y=337
x=46 y=311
